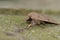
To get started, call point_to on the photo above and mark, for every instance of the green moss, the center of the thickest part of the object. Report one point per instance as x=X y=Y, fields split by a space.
x=42 y=32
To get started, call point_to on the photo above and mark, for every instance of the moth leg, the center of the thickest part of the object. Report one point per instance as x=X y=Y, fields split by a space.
x=31 y=24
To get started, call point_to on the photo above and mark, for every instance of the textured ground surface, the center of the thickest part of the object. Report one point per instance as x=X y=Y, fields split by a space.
x=10 y=23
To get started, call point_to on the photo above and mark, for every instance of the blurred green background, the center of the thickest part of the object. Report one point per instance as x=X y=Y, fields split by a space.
x=13 y=14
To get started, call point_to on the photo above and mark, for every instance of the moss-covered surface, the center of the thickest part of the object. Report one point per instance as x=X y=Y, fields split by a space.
x=9 y=23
